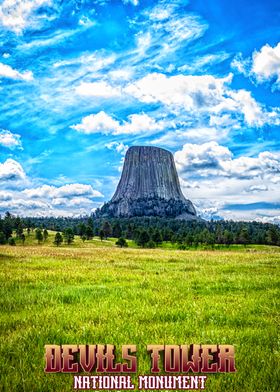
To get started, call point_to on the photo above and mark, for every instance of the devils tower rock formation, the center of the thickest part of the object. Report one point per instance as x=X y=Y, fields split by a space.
x=149 y=186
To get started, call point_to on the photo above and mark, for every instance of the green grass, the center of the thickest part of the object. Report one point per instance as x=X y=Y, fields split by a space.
x=96 y=293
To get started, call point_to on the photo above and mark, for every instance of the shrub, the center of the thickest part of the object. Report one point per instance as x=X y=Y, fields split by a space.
x=151 y=244
x=11 y=241
x=121 y=242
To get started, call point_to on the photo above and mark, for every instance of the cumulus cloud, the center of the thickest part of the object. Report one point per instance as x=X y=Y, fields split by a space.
x=9 y=139
x=11 y=170
x=73 y=190
x=184 y=90
x=241 y=65
x=5 y=195
x=225 y=186
x=47 y=200
x=8 y=72
x=201 y=94
x=266 y=64
x=103 y=123
x=257 y=188
x=22 y=205
x=97 y=123
x=16 y=15
x=255 y=114
x=202 y=158
x=118 y=146
x=263 y=67
x=197 y=135
x=216 y=160
x=65 y=191
x=74 y=202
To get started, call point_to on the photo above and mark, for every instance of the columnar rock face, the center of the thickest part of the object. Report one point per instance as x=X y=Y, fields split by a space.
x=149 y=186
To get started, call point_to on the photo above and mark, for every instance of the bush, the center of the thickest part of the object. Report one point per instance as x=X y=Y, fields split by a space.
x=151 y=244
x=121 y=242
x=182 y=247
x=58 y=239
x=11 y=241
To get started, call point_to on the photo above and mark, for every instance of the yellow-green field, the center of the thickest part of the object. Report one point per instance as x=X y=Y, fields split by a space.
x=96 y=293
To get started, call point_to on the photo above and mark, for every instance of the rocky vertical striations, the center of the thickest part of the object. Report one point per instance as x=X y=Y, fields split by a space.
x=149 y=186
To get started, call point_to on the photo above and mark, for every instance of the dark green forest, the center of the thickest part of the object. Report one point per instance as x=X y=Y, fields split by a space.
x=145 y=231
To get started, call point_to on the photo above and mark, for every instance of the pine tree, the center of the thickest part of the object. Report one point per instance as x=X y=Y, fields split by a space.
x=68 y=236
x=143 y=239
x=45 y=234
x=157 y=237
x=58 y=239
x=89 y=232
x=107 y=229
x=38 y=235
x=117 y=230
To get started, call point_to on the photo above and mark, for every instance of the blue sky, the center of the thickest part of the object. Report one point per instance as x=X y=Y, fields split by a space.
x=81 y=81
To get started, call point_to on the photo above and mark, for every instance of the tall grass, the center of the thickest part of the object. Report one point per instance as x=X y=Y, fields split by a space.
x=95 y=293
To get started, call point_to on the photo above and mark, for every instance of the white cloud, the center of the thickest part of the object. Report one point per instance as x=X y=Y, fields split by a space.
x=254 y=113
x=16 y=15
x=257 y=188
x=86 y=22
x=203 y=62
x=11 y=170
x=198 y=95
x=224 y=121
x=133 y=2
x=22 y=205
x=118 y=146
x=120 y=74
x=195 y=135
x=275 y=219
x=9 y=139
x=89 y=62
x=212 y=159
x=162 y=30
x=41 y=192
x=266 y=64
x=97 y=123
x=221 y=196
x=221 y=185
x=186 y=91
x=170 y=26
x=103 y=123
x=97 y=89
x=73 y=190
x=74 y=202
x=8 y=72
x=139 y=123
x=240 y=65
x=65 y=191
x=4 y=196
x=52 y=40
x=47 y=200
x=202 y=158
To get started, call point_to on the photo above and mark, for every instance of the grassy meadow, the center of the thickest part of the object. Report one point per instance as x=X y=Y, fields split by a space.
x=96 y=293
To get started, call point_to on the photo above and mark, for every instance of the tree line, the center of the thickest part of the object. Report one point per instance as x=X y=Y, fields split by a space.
x=145 y=231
